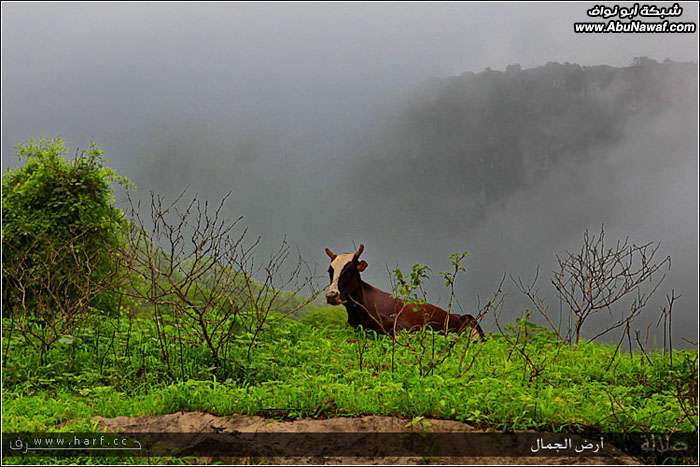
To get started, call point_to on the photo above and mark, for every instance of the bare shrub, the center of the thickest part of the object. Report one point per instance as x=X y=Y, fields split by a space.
x=194 y=270
x=597 y=277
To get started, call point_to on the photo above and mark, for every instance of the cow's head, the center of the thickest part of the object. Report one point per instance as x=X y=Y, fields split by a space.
x=344 y=273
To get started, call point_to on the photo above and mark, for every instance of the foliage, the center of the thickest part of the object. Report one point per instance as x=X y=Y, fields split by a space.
x=528 y=331
x=422 y=344
x=57 y=200
x=408 y=287
x=59 y=234
x=298 y=367
x=322 y=317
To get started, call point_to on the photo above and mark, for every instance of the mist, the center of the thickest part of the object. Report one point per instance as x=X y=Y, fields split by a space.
x=339 y=124
x=643 y=189
x=514 y=166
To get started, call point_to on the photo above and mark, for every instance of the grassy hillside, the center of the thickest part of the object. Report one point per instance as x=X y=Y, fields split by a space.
x=522 y=380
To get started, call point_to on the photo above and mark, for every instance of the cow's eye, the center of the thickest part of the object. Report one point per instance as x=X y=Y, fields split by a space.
x=330 y=273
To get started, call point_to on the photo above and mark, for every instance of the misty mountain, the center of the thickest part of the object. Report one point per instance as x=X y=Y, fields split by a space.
x=463 y=143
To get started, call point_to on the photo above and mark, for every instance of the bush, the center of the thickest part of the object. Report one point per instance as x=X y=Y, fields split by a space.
x=58 y=237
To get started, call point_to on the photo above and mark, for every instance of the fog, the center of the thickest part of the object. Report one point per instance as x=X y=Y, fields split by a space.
x=304 y=112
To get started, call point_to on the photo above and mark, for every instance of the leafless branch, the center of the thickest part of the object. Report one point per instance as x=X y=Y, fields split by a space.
x=597 y=277
x=195 y=269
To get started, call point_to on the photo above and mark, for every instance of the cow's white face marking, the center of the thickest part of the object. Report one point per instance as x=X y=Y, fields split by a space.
x=474 y=335
x=337 y=266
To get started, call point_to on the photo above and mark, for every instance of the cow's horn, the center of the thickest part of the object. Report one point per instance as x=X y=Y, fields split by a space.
x=330 y=254
x=360 y=250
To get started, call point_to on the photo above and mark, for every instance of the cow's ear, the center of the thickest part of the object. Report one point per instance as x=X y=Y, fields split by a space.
x=362 y=265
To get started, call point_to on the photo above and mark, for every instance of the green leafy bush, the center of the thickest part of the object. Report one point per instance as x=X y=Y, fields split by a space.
x=58 y=237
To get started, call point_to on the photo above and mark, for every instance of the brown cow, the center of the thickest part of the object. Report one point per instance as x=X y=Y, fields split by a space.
x=374 y=309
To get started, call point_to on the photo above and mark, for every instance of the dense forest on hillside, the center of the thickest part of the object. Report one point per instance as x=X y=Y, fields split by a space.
x=463 y=143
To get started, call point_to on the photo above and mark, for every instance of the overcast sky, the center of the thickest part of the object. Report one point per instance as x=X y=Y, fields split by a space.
x=118 y=72
x=300 y=83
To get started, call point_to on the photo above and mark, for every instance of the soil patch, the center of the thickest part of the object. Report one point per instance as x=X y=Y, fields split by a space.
x=211 y=435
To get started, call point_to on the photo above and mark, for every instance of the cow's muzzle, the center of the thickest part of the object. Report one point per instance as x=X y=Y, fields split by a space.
x=333 y=298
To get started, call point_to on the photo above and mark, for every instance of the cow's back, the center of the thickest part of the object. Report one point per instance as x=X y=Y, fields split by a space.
x=380 y=311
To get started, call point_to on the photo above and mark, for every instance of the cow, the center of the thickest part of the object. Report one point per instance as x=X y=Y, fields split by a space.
x=374 y=309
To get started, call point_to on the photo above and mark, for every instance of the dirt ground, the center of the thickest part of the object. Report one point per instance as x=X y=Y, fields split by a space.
x=211 y=430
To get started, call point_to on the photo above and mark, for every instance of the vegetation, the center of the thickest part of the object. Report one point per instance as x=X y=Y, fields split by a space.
x=541 y=383
x=199 y=324
x=59 y=236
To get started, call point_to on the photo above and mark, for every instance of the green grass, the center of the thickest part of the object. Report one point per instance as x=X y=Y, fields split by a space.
x=294 y=367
